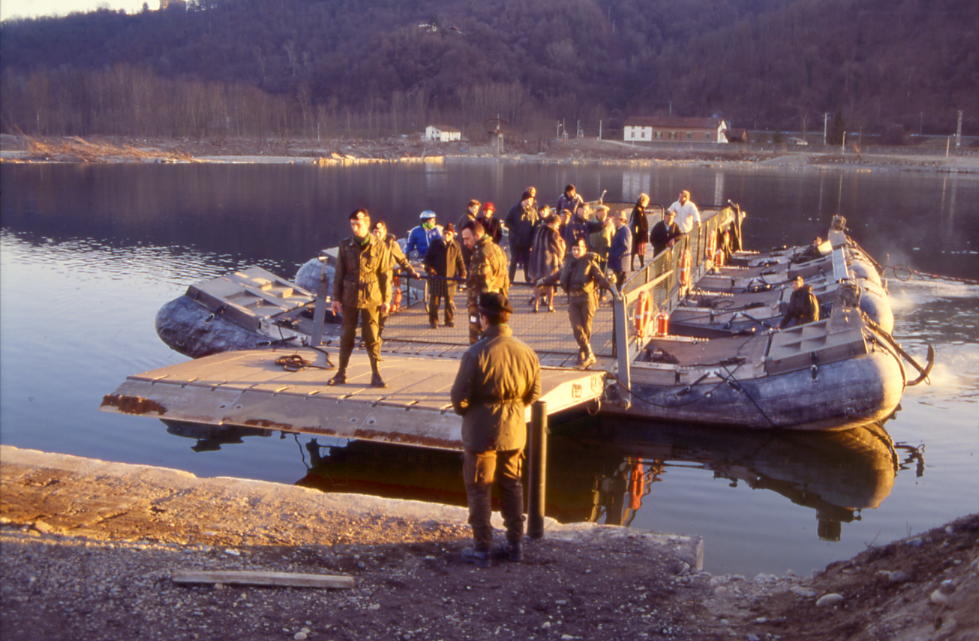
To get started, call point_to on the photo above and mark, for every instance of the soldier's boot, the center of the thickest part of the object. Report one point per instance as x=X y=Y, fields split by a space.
x=480 y=557
x=509 y=551
x=376 y=380
x=341 y=376
x=589 y=360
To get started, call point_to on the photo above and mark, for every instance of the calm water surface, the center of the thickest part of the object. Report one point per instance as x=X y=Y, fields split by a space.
x=89 y=254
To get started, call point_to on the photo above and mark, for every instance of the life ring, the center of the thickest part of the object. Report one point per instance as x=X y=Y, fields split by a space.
x=644 y=313
x=685 y=268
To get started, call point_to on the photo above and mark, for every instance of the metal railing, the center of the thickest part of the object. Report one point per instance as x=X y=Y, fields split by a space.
x=657 y=287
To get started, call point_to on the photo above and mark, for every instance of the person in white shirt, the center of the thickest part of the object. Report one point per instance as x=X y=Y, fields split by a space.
x=686 y=212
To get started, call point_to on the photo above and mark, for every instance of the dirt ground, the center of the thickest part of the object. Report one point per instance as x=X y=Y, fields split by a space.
x=87 y=549
x=114 y=149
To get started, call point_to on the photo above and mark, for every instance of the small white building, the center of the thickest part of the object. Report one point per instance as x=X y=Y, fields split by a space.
x=442 y=133
x=674 y=129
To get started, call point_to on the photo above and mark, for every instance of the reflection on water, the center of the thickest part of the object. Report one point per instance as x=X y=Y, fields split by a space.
x=607 y=473
x=88 y=254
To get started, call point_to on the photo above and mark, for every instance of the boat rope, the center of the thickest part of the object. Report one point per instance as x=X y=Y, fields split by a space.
x=295 y=362
x=923 y=372
x=905 y=272
x=738 y=386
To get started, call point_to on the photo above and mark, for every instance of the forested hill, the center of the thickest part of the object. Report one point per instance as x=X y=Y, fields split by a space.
x=390 y=66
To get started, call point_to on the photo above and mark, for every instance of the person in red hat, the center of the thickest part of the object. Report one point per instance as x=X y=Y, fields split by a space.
x=492 y=224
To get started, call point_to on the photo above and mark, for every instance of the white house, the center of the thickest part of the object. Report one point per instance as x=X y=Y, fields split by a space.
x=674 y=129
x=442 y=133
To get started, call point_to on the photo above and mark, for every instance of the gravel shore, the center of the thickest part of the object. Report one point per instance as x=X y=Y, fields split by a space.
x=88 y=549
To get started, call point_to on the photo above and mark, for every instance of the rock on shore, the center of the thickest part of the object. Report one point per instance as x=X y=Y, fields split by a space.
x=88 y=549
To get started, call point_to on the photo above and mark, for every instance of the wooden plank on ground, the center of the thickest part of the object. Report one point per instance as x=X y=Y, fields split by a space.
x=257 y=577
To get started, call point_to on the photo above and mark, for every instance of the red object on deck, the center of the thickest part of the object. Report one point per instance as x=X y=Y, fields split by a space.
x=662 y=324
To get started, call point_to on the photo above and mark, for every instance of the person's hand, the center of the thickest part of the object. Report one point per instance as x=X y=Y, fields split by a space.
x=335 y=306
x=384 y=308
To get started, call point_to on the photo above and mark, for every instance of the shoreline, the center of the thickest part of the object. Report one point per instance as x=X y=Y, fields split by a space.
x=89 y=548
x=349 y=152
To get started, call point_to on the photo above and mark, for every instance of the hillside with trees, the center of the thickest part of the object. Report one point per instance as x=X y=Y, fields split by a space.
x=381 y=67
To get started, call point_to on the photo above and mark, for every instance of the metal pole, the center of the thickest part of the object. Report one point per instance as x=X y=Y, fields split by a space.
x=958 y=132
x=537 y=470
x=319 y=310
x=843 y=146
x=825 y=127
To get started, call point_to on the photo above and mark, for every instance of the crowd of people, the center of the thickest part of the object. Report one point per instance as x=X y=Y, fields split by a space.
x=586 y=250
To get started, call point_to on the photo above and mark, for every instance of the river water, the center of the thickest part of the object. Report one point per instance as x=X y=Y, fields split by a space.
x=88 y=254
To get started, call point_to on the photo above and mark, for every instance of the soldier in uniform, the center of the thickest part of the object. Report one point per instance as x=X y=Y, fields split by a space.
x=498 y=377
x=361 y=291
x=803 y=305
x=394 y=256
x=487 y=271
x=581 y=277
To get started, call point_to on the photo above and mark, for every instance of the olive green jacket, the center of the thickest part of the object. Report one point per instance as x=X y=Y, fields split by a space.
x=361 y=277
x=395 y=256
x=487 y=270
x=579 y=275
x=499 y=376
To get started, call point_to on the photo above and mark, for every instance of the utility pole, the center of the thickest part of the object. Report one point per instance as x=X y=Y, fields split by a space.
x=958 y=132
x=825 y=127
x=557 y=132
x=600 y=123
x=843 y=146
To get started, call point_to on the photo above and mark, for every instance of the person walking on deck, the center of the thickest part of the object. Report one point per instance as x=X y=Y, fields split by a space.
x=486 y=272
x=498 y=377
x=664 y=233
x=422 y=234
x=639 y=226
x=581 y=277
x=620 y=253
x=686 y=212
x=361 y=292
x=546 y=258
x=394 y=257
x=521 y=221
x=444 y=265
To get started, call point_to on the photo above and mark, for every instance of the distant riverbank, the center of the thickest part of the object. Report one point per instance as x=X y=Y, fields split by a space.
x=70 y=149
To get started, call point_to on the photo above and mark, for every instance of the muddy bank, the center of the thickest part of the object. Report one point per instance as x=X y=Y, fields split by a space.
x=348 y=151
x=88 y=548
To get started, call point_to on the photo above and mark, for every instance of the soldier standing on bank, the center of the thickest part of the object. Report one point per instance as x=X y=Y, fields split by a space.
x=580 y=277
x=360 y=293
x=498 y=377
x=487 y=272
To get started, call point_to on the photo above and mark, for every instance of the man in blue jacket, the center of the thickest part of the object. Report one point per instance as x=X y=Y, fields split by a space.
x=420 y=237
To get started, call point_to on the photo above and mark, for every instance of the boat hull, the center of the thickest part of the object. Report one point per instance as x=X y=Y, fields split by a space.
x=838 y=395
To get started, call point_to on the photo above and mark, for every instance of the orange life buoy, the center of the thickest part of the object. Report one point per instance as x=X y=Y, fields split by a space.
x=644 y=312
x=685 y=268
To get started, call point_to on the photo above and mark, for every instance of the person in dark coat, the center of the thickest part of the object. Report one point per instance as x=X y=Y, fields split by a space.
x=444 y=264
x=472 y=213
x=803 y=306
x=360 y=292
x=498 y=377
x=570 y=200
x=664 y=233
x=639 y=226
x=620 y=253
x=521 y=221
x=546 y=258
x=492 y=224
